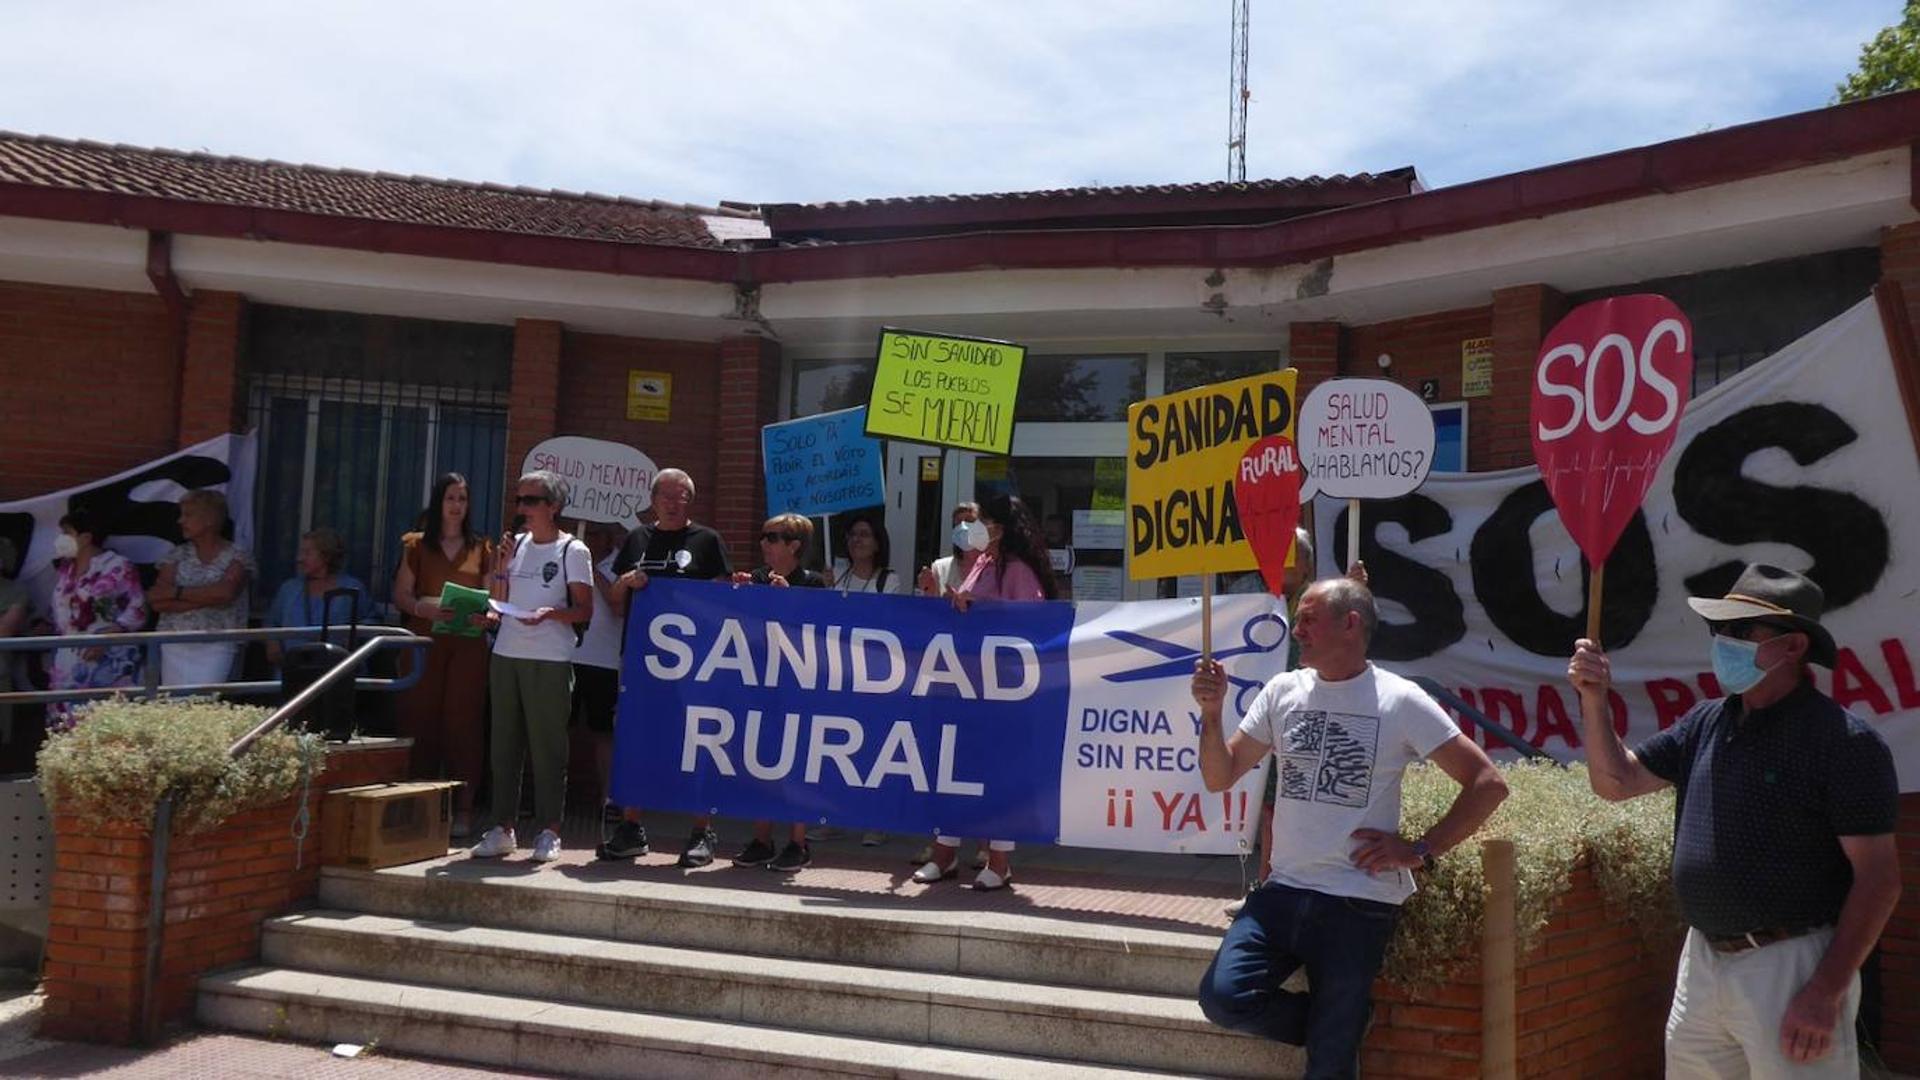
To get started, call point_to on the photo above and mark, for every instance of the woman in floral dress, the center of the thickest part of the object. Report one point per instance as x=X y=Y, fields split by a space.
x=95 y=591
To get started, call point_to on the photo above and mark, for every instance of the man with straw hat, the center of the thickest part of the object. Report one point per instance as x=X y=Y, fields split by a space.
x=1783 y=848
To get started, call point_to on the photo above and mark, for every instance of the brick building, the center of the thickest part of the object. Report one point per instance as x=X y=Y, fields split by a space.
x=377 y=329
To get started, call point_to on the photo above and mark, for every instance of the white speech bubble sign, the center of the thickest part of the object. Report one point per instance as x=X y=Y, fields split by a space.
x=1364 y=439
x=606 y=481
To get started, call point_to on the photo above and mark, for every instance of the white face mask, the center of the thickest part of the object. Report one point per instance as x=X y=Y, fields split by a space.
x=970 y=536
x=65 y=546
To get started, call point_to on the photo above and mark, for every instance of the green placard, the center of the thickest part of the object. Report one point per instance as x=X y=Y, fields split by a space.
x=945 y=391
x=462 y=603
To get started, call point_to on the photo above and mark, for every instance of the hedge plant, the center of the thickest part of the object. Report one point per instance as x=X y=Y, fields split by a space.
x=121 y=755
x=1553 y=818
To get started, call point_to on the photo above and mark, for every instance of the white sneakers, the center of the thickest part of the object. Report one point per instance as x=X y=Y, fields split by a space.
x=546 y=846
x=498 y=841
x=501 y=841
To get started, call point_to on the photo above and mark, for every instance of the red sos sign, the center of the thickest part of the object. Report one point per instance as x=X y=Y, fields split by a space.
x=1610 y=384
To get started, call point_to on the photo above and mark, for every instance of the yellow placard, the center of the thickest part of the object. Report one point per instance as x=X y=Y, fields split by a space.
x=649 y=395
x=1476 y=367
x=1182 y=453
x=945 y=391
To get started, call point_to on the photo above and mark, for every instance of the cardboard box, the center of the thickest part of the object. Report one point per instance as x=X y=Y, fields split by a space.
x=383 y=825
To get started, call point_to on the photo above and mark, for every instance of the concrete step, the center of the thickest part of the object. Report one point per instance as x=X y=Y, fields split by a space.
x=1117 y=1028
x=696 y=911
x=580 y=1040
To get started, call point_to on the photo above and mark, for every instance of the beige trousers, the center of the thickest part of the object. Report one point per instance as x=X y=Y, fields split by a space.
x=1725 y=1021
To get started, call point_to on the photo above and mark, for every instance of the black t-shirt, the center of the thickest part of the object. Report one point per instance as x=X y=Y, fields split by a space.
x=655 y=547
x=1762 y=804
x=802 y=578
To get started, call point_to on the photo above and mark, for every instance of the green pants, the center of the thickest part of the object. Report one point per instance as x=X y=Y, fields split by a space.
x=531 y=702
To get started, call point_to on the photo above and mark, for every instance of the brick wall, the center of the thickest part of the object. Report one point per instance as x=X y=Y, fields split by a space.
x=593 y=402
x=221 y=885
x=1522 y=315
x=533 y=405
x=210 y=402
x=1592 y=1001
x=91 y=383
x=749 y=393
x=1428 y=347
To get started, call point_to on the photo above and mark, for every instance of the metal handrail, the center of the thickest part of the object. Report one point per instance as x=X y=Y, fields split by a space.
x=334 y=675
x=147 y=640
x=1455 y=702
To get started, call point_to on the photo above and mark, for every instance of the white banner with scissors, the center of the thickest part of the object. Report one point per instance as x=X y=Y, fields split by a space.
x=1130 y=769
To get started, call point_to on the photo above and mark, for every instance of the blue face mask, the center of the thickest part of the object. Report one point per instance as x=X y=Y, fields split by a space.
x=1735 y=664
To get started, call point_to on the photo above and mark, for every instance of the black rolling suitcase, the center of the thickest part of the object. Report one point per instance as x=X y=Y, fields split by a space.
x=303 y=665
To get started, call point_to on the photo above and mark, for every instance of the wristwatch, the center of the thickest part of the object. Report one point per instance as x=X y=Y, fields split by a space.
x=1425 y=851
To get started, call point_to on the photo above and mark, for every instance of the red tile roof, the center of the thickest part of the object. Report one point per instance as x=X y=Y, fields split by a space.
x=41 y=161
x=1217 y=202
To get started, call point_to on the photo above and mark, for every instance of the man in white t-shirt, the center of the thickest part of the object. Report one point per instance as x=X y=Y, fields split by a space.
x=1342 y=732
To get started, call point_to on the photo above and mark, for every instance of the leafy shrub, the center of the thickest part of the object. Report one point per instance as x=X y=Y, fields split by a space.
x=121 y=755
x=1553 y=818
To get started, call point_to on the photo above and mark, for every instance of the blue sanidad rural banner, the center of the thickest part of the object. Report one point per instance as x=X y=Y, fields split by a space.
x=1049 y=722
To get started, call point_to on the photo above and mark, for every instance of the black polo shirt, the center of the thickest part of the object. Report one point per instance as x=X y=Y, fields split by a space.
x=1763 y=801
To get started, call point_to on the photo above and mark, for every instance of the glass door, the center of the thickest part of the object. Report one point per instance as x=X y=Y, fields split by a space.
x=1080 y=505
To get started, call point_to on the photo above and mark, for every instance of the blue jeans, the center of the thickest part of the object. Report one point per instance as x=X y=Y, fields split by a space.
x=1340 y=940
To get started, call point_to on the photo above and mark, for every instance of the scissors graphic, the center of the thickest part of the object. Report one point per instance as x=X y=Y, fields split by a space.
x=1180 y=660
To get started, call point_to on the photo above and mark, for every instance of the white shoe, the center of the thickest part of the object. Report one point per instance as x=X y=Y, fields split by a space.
x=498 y=841
x=988 y=881
x=1233 y=908
x=546 y=846
x=931 y=872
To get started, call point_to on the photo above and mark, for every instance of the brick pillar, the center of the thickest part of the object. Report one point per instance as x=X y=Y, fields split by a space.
x=1314 y=348
x=533 y=407
x=210 y=370
x=749 y=394
x=1497 y=437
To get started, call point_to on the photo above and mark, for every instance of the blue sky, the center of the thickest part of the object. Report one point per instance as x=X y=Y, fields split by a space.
x=811 y=100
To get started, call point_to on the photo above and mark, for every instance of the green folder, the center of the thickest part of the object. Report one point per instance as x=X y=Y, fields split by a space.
x=462 y=602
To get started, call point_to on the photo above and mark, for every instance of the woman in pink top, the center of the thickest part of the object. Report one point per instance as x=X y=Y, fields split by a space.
x=1015 y=566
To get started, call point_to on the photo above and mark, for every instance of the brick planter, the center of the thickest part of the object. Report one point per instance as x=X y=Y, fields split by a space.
x=220 y=885
x=1591 y=1001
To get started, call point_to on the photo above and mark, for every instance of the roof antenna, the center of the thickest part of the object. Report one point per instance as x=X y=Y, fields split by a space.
x=1239 y=95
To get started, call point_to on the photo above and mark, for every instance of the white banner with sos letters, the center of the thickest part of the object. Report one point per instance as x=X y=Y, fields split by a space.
x=1805 y=460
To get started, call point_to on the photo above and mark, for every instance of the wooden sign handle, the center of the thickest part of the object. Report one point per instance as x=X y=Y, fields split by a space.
x=1353 y=534
x=1594 y=579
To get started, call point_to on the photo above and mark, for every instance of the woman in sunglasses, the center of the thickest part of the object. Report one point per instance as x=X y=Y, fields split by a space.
x=783 y=544
x=544 y=579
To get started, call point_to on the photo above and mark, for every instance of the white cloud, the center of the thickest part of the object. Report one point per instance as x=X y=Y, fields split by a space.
x=839 y=99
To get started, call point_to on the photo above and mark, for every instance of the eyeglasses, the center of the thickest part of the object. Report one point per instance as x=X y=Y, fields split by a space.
x=772 y=537
x=530 y=500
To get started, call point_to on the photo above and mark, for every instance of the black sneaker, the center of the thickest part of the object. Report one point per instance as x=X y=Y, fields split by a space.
x=756 y=853
x=629 y=841
x=700 y=847
x=792 y=857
